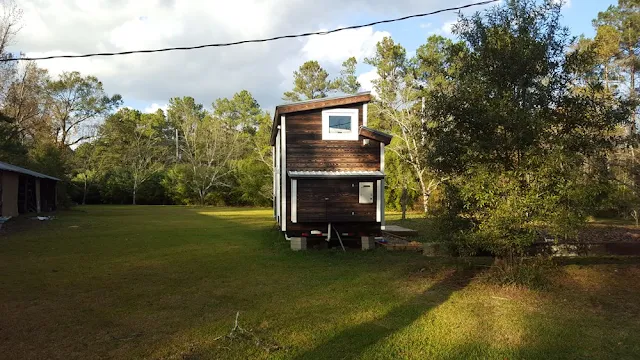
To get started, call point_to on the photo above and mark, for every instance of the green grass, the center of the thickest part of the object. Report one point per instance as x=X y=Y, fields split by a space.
x=165 y=282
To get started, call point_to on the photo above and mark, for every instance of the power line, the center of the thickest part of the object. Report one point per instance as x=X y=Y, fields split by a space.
x=250 y=41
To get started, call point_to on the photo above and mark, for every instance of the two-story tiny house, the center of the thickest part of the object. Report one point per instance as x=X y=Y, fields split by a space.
x=328 y=171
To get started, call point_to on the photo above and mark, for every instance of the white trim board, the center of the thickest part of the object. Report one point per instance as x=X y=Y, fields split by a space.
x=283 y=179
x=278 y=183
x=382 y=204
x=294 y=201
x=378 y=201
x=382 y=157
x=274 y=183
x=364 y=114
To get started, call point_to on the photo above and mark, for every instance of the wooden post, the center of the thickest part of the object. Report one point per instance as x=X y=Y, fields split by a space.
x=38 y=205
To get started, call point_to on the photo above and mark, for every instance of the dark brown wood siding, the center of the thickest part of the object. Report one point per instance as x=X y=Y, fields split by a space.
x=307 y=151
x=340 y=207
x=332 y=200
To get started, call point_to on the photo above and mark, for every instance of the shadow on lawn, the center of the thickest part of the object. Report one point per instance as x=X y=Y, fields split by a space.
x=591 y=312
x=353 y=341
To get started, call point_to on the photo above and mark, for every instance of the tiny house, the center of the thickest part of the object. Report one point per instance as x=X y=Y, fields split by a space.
x=328 y=180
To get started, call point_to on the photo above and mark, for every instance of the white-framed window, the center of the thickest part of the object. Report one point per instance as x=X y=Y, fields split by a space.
x=340 y=124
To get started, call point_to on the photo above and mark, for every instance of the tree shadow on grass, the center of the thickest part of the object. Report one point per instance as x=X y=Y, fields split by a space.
x=354 y=341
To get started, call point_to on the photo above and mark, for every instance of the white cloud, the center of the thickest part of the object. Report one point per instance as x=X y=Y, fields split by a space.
x=366 y=80
x=565 y=3
x=332 y=50
x=155 y=107
x=445 y=30
x=337 y=47
x=447 y=27
x=54 y=27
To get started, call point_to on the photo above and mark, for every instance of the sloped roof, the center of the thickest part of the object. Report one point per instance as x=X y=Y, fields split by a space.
x=375 y=135
x=363 y=97
x=17 y=169
x=334 y=174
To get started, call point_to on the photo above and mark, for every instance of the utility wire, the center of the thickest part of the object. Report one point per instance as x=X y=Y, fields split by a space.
x=326 y=32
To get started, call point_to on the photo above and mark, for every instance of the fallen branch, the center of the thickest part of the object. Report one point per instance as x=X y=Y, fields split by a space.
x=237 y=332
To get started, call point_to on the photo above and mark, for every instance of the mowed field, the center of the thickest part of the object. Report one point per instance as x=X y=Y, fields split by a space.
x=129 y=282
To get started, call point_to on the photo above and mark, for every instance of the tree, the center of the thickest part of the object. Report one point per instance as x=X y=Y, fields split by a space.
x=310 y=81
x=208 y=146
x=397 y=107
x=252 y=171
x=10 y=24
x=73 y=101
x=519 y=143
x=86 y=163
x=25 y=103
x=348 y=81
x=241 y=111
x=619 y=28
x=131 y=141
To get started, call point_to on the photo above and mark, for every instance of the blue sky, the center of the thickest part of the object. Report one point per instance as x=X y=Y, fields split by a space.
x=577 y=16
x=147 y=82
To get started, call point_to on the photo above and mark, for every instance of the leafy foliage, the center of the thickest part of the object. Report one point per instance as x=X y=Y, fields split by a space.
x=516 y=139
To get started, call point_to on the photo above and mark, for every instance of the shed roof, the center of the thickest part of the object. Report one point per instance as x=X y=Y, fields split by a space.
x=375 y=135
x=17 y=169
x=363 y=97
x=334 y=174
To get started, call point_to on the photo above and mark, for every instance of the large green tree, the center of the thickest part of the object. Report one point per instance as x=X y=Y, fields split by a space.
x=517 y=141
x=311 y=81
x=73 y=101
x=399 y=108
x=132 y=142
x=618 y=33
x=208 y=146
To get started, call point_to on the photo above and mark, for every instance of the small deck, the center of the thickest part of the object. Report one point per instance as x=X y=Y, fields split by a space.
x=399 y=231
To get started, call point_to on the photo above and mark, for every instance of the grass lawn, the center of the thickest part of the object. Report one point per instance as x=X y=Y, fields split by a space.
x=166 y=282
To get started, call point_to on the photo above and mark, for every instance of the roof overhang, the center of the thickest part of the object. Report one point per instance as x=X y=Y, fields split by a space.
x=376 y=135
x=17 y=169
x=359 y=98
x=334 y=174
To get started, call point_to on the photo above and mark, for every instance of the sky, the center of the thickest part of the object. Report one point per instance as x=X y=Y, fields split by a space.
x=147 y=81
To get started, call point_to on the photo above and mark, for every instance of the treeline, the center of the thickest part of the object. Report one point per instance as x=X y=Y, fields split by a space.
x=512 y=130
x=188 y=155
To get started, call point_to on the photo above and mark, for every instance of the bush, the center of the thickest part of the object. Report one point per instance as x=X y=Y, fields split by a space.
x=534 y=273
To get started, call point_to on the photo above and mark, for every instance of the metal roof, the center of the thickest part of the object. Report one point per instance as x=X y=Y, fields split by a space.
x=345 y=96
x=334 y=174
x=17 y=169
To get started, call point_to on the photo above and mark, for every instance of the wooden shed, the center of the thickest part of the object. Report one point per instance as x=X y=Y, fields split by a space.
x=23 y=191
x=328 y=171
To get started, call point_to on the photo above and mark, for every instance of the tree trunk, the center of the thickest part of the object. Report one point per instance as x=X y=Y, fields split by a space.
x=404 y=197
x=84 y=194
x=632 y=95
x=425 y=194
x=201 y=194
x=606 y=76
x=135 y=188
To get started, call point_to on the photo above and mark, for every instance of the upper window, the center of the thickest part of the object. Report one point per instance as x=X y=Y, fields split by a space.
x=340 y=124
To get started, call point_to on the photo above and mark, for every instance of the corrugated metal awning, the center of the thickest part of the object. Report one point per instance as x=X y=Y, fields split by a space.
x=334 y=174
x=17 y=169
